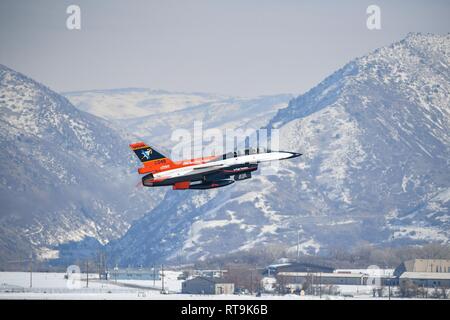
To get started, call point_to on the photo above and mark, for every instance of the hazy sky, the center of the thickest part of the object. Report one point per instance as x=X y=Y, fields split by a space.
x=234 y=47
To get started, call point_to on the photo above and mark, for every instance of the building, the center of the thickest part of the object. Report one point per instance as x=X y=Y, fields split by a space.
x=207 y=285
x=373 y=276
x=426 y=279
x=296 y=267
x=134 y=274
x=325 y=278
x=423 y=265
x=209 y=273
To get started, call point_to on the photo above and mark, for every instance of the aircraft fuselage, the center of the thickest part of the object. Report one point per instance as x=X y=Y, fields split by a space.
x=202 y=173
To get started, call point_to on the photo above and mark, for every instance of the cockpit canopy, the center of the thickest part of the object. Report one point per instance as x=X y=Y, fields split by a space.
x=245 y=152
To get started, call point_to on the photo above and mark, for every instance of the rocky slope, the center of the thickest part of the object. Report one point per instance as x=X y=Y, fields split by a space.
x=65 y=175
x=376 y=142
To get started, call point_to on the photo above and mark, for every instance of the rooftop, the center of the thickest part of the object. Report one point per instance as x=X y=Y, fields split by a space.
x=426 y=275
x=212 y=279
x=431 y=260
x=321 y=274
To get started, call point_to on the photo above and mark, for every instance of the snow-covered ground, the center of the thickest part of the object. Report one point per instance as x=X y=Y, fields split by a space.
x=15 y=285
x=171 y=283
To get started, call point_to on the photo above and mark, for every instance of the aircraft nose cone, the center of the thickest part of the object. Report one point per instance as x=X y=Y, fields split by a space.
x=294 y=155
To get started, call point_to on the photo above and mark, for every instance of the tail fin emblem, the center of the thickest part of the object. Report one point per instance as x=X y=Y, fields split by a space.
x=146 y=153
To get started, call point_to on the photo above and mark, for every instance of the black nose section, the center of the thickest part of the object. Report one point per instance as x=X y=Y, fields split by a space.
x=294 y=155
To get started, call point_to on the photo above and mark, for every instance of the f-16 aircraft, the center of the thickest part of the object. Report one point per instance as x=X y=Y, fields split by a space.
x=202 y=173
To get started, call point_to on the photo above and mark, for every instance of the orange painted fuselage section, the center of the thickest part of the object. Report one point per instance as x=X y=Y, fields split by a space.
x=165 y=164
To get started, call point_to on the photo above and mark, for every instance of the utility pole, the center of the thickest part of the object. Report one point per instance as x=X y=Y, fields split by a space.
x=105 y=262
x=31 y=270
x=251 y=281
x=87 y=273
x=162 y=278
x=320 y=285
x=298 y=245
x=389 y=288
x=99 y=264
x=30 y=266
x=154 y=276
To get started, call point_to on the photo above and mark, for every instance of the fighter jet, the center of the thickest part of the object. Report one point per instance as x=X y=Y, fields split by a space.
x=202 y=173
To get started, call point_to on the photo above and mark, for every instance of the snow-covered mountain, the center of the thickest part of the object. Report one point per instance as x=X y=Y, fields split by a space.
x=376 y=168
x=68 y=179
x=129 y=103
x=375 y=137
x=65 y=175
x=153 y=115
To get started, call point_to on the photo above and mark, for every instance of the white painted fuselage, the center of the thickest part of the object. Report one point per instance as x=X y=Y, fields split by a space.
x=189 y=170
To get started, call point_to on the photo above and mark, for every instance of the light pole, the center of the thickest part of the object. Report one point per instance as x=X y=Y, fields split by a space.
x=30 y=260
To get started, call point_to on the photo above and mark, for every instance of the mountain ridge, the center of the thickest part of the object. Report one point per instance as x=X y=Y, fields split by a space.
x=56 y=166
x=375 y=139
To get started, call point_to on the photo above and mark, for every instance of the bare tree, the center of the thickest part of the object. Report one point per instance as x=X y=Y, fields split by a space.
x=245 y=278
x=408 y=289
